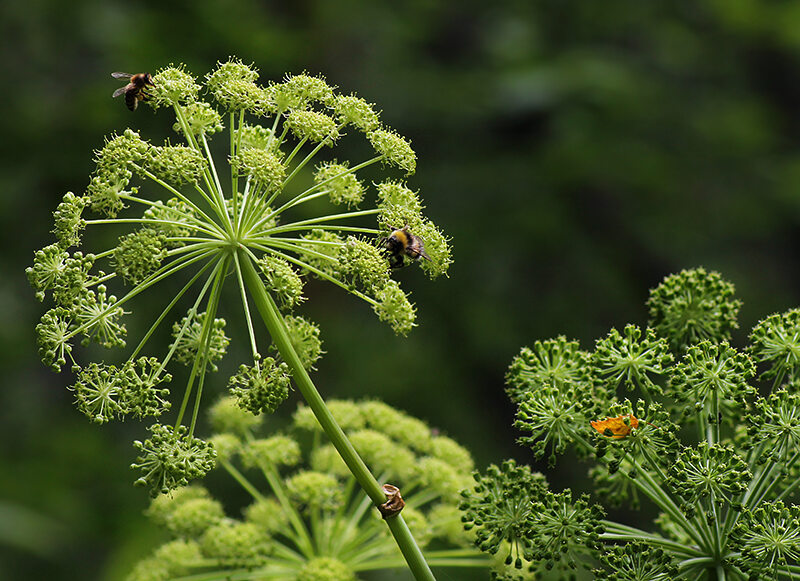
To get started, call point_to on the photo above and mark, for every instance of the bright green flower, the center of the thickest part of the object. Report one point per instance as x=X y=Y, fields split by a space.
x=693 y=305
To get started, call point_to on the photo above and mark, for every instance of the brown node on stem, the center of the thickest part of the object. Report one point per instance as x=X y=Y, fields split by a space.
x=394 y=502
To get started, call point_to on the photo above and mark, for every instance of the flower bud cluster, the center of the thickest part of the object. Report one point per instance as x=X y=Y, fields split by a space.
x=721 y=497
x=303 y=499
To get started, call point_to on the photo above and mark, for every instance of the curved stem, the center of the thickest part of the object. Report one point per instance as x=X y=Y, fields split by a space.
x=277 y=329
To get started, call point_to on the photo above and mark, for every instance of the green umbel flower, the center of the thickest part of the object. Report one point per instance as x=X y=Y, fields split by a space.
x=307 y=519
x=716 y=461
x=693 y=305
x=775 y=341
x=557 y=362
x=227 y=239
x=190 y=225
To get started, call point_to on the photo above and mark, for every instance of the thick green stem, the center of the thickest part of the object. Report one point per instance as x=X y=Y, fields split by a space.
x=277 y=330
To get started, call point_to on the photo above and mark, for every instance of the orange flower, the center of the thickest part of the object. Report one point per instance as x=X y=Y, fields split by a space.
x=616 y=428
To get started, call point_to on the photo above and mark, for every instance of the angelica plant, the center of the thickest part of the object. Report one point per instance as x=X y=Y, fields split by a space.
x=672 y=415
x=214 y=237
x=305 y=518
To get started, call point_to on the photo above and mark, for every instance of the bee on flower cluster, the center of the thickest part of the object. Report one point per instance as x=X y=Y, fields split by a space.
x=401 y=243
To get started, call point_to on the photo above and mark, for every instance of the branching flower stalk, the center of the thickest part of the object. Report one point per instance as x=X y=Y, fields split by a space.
x=693 y=437
x=306 y=518
x=254 y=223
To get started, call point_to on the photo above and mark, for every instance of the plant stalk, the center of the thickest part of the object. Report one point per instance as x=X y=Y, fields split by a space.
x=277 y=330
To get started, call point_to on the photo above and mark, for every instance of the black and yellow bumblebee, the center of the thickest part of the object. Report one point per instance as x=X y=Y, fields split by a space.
x=135 y=90
x=402 y=243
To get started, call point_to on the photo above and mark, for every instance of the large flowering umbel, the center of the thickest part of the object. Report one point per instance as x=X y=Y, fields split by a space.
x=306 y=520
x=188 y=226
x=718 y=462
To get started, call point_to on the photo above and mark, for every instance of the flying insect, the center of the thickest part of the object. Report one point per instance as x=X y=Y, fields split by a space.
x=135 y=90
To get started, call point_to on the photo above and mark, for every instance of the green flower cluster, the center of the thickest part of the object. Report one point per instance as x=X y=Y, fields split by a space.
x=197 y=225
x=306 y=519
x=718 y=460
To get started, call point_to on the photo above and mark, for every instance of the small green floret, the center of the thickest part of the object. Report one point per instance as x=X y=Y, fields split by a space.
x=267 y=514
x=237 y=544
x=500 y=507
x=192 y=343
x=315 y=490
x=233 y=86
x=105 y=190
x=69 y=223
x=255 y=136
x=175 y=219
x=693 y=305
x=172 y=86
x=73 y=279
x=48 y=266
x=275 y=451
x=393 y=307
x=99 y=393
x=299 y=91
x=314 y=126
x=382 y=454
x=352 y=110
x=175 y=164
x=775 y=341
x=554 y=417
x=343 y=186
x=636 y=561
x=708 y=471
x=282 y=281
x=557 y=362
x=437 y=247
x=710 y=371
x=139 y=254
x=170 y=458
x=768 y=538
x=120 y=152
x=321 y=250
x=325 y=569
x=191 y=517
x=305 y=339
x=394 y=149
x=399 y=206
x=264 y=167
x=99 y=316
x=774 y=424
x=363 y=265
x=52 y=337
x=261 y=387
x=631 y=359
x=201 y=119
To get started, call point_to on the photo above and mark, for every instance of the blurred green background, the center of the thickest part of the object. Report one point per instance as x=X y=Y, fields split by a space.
x=576 y=152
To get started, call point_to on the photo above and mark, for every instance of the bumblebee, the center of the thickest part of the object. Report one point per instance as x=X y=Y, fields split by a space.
x=401 y=243
x=135 y=90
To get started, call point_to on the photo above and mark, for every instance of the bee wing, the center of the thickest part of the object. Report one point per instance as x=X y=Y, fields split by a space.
x=121 y=75
x=417 y=253
x=119 y=91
